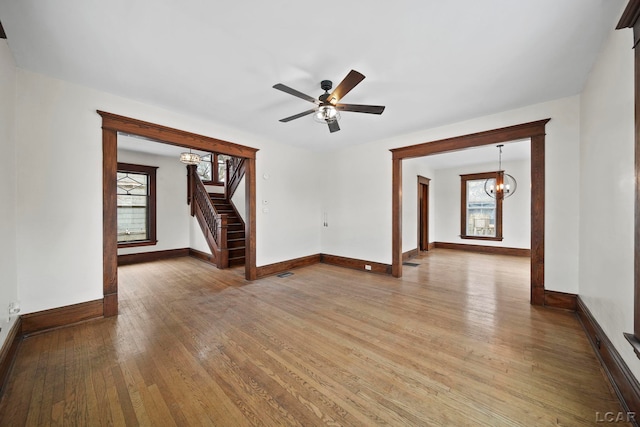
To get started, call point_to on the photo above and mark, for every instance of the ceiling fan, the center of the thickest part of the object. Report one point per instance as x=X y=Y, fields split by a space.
x=327 y=106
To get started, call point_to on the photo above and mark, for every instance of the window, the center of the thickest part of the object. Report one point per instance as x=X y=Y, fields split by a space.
x=481 y=214
x=136 y=201
x=213 y=175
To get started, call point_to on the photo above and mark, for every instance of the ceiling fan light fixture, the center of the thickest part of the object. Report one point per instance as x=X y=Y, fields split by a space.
x=190 y=158
x=326 y=113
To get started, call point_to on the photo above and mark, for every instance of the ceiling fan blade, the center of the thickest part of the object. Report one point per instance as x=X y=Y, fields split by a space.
x=333 y=126
x=371 y=109
x=345 y=86
x=294 y=92
x=297 y=116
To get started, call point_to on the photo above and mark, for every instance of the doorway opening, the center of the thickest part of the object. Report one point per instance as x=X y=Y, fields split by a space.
x=112 y=125
x=535 y=131
x=423 y=213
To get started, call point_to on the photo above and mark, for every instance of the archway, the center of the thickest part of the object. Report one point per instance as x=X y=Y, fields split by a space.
x=533 y=130
x=111 y=125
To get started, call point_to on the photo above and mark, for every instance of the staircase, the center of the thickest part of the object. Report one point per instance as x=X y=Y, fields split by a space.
x=221 y=224
x=235 y=229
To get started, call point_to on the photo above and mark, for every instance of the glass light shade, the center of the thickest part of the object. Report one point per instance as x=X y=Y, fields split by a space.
x=190 y=158
x=326 y=113
x=503 y=189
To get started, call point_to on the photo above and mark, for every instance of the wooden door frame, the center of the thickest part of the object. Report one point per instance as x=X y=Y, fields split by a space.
x=111 y=125
x=423 y=182
x=535 y=131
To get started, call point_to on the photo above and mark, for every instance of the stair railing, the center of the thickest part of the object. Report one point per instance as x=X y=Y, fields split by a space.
x=213 y=224
x=235 y=172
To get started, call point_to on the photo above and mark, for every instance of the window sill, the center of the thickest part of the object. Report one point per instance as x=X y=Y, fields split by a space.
x=635 y=343
x=137 y=243
x=495 y=239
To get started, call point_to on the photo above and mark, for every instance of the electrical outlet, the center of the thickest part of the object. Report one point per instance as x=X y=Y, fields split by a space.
x=367 y=267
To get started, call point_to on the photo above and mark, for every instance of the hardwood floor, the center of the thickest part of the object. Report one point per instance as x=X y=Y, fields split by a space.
x=454 y=342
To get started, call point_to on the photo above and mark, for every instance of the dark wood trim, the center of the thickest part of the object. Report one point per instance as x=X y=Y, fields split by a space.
x=561 y=300
x=111 y=304
x=173 y=136
x=202 y=256
x=396 y=218
x=280 y=267
x=622 y=379
x=494 y=136
x=533 y=130
x=355 y=264
x=432 y=245
x=493 y=250
x=8 y=352
x=463 y=206
x=630 y=15
x=537 y=218
x=423 y=213
x=636 y=227
x=111 y=125
x=62 y=316
x=250 y=269
x=127 y=259
x=150 y=171
x=631 y=19
x=410 y=254
x=109 y=219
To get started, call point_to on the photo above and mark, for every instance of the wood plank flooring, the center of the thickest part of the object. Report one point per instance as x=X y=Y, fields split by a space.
x=453 y=343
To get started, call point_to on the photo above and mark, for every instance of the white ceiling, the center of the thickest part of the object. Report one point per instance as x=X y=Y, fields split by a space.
x=430 y=62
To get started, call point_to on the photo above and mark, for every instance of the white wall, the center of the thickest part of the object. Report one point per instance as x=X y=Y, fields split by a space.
x=516 y=209
x=360 y=196
x=8 y=220
x=59 y=179
x=238 y=200
x=289 y=203
x=172 y=210
x=357 y=200
x=607 y=192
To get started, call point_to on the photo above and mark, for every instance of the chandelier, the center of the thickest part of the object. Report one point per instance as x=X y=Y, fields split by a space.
x=190 y=158
x=504 y=186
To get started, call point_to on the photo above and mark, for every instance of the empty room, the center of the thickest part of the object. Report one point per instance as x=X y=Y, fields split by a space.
x=197 y=229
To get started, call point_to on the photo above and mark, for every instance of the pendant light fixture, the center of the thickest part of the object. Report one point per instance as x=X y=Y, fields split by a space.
x=504 y=186
x=190 y=158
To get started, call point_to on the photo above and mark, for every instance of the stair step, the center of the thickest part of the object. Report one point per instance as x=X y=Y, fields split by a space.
x=236 y=252
x=234 y=262
x=235 y=243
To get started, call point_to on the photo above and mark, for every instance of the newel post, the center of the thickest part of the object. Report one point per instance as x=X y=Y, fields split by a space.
x=221 y=238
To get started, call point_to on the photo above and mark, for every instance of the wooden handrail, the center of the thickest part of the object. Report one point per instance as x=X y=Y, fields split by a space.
x=213 y=224
x=235 y=172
